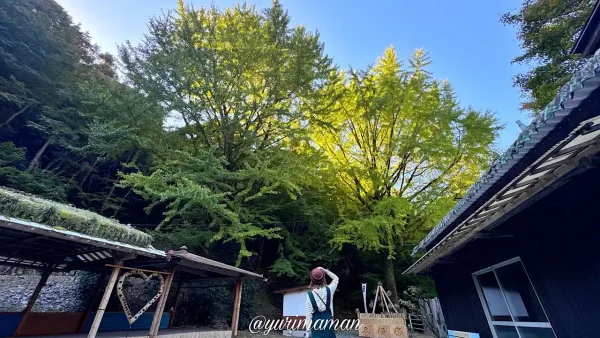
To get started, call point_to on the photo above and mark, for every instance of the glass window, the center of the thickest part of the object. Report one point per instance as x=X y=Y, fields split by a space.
x=506 y=331
x=536 y=332
x=511 y=303
x=521 y=297
x=493 y=297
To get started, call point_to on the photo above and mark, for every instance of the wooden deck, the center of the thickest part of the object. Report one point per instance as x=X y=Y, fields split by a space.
x=165 y=333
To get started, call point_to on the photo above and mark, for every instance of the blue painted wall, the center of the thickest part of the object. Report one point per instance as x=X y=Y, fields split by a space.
x=117 y=321
x=112 y=321
x=9 y=323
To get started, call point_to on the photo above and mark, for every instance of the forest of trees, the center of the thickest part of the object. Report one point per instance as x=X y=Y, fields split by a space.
x=232 y=132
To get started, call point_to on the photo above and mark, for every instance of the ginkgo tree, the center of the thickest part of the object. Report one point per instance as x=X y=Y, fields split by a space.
x=234 y=80
x=402 y=148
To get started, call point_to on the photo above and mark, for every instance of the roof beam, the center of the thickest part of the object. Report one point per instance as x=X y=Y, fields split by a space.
x=545 y=181
x=196 y=272
x=199 y=266
x=82 y=252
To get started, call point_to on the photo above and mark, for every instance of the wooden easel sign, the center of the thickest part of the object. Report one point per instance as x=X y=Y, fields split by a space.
x=462 y=334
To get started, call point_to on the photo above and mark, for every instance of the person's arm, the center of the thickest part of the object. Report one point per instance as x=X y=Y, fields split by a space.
x=309 y=313
x=334 y=281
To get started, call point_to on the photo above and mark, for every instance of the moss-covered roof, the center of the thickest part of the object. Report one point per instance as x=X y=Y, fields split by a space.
x=34 y=209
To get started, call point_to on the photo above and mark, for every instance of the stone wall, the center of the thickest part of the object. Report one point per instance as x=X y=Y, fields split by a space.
x=64 y=292
x=433 y=318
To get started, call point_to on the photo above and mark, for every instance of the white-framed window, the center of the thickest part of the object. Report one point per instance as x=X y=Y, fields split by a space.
x=511 y=305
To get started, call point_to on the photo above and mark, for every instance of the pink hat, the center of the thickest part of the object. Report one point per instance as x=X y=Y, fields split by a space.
x=317 y=276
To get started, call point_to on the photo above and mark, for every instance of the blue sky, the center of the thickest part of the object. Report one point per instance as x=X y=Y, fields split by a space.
x=464 y=38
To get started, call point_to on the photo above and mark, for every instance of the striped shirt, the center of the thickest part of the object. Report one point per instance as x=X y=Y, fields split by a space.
x=321 y=292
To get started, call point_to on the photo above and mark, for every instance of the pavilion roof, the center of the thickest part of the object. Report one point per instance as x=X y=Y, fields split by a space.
x=60 y=216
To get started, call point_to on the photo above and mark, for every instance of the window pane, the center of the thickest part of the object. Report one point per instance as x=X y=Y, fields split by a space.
x=493 y=297
x=506 y=331
x=523 y=302
x=536 y=332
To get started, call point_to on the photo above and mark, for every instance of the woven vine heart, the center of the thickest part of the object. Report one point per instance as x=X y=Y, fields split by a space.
x=132 y=318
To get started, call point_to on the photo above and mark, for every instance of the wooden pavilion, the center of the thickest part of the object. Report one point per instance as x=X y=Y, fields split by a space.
x=39 y=234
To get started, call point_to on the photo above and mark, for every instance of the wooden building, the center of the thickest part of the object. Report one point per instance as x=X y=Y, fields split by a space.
x=518 y=255
x=49 y=236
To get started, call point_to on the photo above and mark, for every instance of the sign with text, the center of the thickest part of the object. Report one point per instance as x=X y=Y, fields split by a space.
x=461 y=334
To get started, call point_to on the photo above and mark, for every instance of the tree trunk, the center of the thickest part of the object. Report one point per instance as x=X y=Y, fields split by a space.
x=122 y=202
x=389 y=280
x=107 y=199
x=260 y=252
x=39 y=154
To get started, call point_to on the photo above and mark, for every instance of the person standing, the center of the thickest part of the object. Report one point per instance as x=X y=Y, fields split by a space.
x=319 y=304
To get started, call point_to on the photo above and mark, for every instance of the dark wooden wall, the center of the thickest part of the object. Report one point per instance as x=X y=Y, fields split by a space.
x=558 y=240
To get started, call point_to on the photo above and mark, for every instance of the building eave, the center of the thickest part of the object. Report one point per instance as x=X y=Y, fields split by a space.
x=293 y=289
x=474 y=208
x=200 y=263
x=589 y=39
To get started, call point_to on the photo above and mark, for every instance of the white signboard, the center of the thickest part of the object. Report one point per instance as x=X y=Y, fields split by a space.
x=364 y=291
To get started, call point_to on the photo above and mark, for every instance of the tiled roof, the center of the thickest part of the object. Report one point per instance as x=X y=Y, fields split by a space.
x=569 y=97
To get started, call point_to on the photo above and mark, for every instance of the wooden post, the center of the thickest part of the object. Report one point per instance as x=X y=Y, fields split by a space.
x=162 y=301
x=174 y=311
x=375 y=302
x=91 y=302
x=36 y=293
x=102 y=307
x=236 y=307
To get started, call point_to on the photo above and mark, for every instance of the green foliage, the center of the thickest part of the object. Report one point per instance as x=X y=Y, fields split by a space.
x=34 y=182
x=233 y=77
x=123 y=121
x=196 y=240
x=401 y=148
x=398 y=132
x=43 y=58
x=389 y=223
x=42 y=55
x=547 y=31
x=233 y=80
x=9 y=154
x=201 y=191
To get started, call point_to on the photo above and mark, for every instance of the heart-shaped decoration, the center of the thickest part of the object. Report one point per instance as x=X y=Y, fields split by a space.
x=130 y=317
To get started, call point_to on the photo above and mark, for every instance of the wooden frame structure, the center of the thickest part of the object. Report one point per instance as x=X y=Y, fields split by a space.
x=33 y=245
x=574 y=154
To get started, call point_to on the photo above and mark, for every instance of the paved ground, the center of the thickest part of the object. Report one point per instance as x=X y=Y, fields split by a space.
x=339 y=334
x=133 y=334
x=242 y=334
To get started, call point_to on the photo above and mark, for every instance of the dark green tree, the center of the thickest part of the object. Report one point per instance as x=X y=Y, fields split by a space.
x=547 y=31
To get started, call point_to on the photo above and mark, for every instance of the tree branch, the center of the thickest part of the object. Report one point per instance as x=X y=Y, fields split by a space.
x=426 y=186
x=15 y=115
